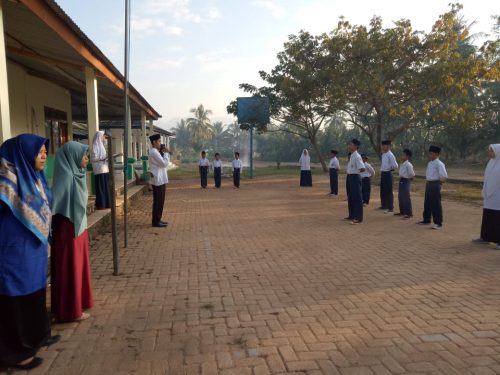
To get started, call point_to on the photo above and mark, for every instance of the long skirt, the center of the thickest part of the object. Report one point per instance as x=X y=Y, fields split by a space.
x=71 y=289
x=24 y=326
x=306 y=178
x=203 y=176
x=386 y=194
x=102 y=199
x=490 y=227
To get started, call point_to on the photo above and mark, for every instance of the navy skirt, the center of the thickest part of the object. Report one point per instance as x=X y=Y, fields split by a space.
x=306 y=178
x=102 y=199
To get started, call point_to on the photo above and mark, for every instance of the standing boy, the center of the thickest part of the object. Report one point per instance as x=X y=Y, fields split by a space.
x=203 y=166
x=217 y=167
x=158 y=168
x=237 y=166
x=355 y=167
x=387 y=166
x=334 y=168
x=366 y=180
x=406 y=174
x=435 y=175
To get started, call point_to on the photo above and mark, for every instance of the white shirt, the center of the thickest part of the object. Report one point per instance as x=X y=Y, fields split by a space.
x=236 y=164
x=334 y=163
x=436 y=171
x=158 y=167
x=305 y=162
x=217 y=163
x=388 y=162
x=355 y=164
x=406 y=170
x=203 y=162
x=369 y=171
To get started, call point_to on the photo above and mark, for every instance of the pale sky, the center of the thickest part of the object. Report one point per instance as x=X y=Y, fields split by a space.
x=190 y=52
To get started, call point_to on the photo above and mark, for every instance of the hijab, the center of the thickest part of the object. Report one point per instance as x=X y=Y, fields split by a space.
x=305 y=156
x=492 y=173
x=70 y=185
x=98 y=149
x=24 y=189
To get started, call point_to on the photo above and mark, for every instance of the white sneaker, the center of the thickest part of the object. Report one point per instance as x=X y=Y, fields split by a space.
x=498 y=246
x=436 y=226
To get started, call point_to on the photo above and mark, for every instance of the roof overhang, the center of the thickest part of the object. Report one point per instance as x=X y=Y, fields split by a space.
x=41 y=37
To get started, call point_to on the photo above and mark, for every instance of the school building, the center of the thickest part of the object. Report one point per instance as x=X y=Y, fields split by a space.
x=55 y=82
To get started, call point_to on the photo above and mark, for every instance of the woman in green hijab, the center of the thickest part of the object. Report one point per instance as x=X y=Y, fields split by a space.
x=71 y=288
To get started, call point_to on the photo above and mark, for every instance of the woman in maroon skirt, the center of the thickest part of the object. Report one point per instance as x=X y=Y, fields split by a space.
x=71 y=290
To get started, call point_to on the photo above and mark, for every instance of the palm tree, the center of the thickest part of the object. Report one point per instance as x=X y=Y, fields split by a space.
x=182 y=137
x=219 y=135
x=200 y=126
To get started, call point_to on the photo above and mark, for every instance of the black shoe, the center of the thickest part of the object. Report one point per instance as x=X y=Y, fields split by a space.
x=52 y=340
x=423 y=222
x=159 y=225
x=35 y=362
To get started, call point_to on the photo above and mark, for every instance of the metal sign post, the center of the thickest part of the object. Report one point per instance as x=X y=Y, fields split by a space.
x=251 y=151
x=112 y=195
x=125 y=122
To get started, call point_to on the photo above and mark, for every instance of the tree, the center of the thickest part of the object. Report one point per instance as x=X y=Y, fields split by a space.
x=296 y=90
x=390 y=80
x=182 y=137
x=200 y=126
x=219 y=136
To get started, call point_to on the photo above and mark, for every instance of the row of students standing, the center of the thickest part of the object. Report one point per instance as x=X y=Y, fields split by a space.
x=204 y=166
x=360 y=174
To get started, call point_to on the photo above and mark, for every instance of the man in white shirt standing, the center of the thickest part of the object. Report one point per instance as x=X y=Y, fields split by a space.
x=334 y=168
x=435 y=175
x=406 y=174
x=387 y=166
x=237 y=166
x=355 y=167
x=158 y=168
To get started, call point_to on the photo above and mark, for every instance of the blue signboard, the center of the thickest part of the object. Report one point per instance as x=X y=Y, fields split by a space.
x=253 y=110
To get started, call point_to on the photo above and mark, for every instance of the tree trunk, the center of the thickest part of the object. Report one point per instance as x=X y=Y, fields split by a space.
x=315 y=146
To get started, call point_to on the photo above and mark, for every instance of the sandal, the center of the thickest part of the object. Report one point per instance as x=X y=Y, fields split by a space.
x=84 y=316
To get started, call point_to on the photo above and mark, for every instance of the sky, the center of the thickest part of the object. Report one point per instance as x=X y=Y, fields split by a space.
x=190 y=52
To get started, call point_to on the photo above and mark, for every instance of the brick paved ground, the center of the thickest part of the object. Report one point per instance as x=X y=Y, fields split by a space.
x=269 y=280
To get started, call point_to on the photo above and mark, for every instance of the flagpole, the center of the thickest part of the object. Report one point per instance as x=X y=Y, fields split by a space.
x=127 y=116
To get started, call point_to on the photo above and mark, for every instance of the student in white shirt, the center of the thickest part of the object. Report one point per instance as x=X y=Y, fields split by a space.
x=203 y=165
x=305 y=169
x=158 y=168
x=334 y=168
x=388 y=164
x=490 y=226
x=237 y=166
x=435 y=175
x=217 y=168
x=406 y=174
x=355 y=167
x=366 y=180
x=99 y=159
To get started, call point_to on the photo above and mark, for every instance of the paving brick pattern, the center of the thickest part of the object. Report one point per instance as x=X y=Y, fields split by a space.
x=269 y=279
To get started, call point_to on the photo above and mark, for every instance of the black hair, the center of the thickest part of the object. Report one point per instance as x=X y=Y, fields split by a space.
x=237 y=153
x=334 y=152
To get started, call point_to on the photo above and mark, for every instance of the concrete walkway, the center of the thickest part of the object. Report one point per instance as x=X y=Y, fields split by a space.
x=269 y=279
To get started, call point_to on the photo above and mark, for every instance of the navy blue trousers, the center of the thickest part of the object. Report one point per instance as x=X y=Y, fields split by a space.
x=386 y=195
x=334 y=181
x=203 y=176
x=217 y=176
x=236 y=177
x=354 y=197
x=432 y=203
x=366 y=189
x=404 y=196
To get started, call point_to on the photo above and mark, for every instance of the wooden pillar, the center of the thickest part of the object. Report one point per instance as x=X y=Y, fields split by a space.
x=5 y=131
x=92 y=103
x=144 y=136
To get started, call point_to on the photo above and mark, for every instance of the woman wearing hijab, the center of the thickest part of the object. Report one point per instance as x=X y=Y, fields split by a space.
x=24 y=234
x=490 y=227
x=71 y=290
x=101 y=171
x=305 y=169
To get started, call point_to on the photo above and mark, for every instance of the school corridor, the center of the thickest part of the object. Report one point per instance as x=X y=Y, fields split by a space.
x=269 y=279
